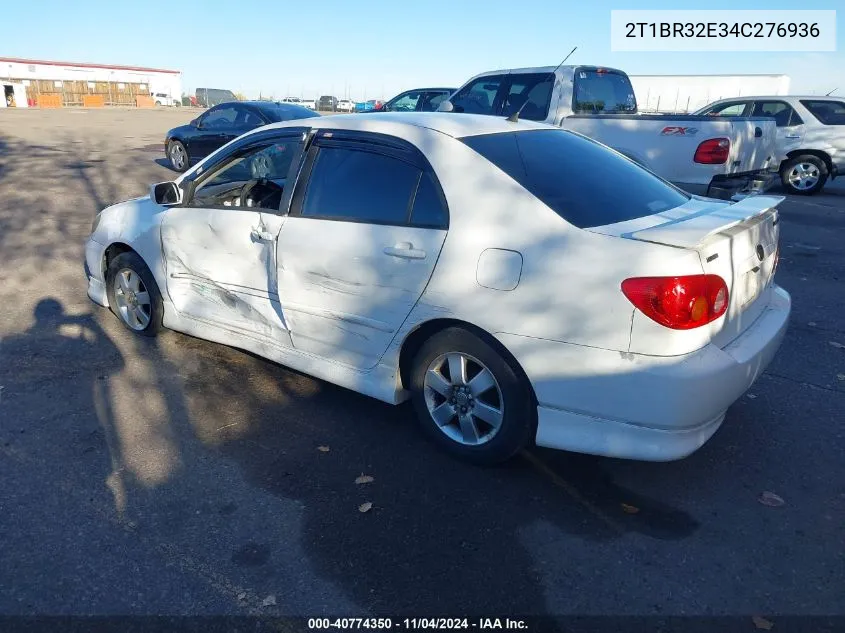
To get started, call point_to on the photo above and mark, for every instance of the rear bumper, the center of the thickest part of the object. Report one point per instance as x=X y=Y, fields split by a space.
x=734 y=186
x=645 y=407
x=737 y=186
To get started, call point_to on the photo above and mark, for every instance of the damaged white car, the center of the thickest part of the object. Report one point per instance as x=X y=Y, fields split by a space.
x=520 y=283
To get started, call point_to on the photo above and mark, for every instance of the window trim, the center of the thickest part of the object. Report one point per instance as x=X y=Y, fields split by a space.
x=373 y=143
x=189 y=185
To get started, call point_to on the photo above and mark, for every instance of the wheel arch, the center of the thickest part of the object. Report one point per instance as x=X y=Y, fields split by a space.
x=113 y=250
x=417 y=337
x=823 y=156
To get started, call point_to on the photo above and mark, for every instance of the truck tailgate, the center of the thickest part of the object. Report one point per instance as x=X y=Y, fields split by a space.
x=752 y=145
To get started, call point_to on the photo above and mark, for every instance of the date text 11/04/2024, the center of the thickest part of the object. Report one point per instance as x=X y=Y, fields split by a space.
x=387 y=624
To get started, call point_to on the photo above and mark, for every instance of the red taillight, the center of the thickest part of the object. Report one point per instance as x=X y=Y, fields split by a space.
x=679 y=303
x=713 y=151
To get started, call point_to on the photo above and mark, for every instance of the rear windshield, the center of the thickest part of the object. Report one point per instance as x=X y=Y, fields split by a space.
x=602 y=91
x=584 y=182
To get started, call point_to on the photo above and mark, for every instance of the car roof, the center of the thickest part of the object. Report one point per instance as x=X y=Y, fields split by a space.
x=781 y=98
x=545 y=69
x=448 y=123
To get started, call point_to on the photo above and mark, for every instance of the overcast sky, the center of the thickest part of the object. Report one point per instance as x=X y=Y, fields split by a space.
x=368 y=48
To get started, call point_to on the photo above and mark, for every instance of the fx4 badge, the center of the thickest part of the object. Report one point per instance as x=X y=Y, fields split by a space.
x=672 y=130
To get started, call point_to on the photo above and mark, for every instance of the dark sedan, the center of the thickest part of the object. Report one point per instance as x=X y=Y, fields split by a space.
x=187 y=144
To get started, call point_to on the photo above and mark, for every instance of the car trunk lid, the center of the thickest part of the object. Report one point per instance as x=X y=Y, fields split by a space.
x=738 y=242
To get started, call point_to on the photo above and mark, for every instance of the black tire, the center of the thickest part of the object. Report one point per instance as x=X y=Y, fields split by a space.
x=134 y=263
x=796 y=163
x=158 y=103
x=173 y=163
x=517 y=402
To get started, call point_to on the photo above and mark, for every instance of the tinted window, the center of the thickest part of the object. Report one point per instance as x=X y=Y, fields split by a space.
x=405 y=103
x=432 y=100
x=286 y=112
x=359 y=185
x=827 y=112
x=478 y=96
x=223 y=117
x=781 y=112
x=602 y=91
x=428 y=206
x=604 y=188
x=247 y=118
x=269 y=163
x=531 y=94
x=727 y=109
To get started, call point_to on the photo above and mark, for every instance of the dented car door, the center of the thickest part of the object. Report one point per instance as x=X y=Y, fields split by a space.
x=220 y=245
x=366 y=225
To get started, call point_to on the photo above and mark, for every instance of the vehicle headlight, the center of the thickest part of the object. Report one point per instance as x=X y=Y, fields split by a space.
x=96 y=222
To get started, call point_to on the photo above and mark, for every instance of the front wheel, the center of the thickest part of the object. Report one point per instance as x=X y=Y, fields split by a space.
x=469 y=399
x=803 y=175
x=177 y=154
x=134 y=295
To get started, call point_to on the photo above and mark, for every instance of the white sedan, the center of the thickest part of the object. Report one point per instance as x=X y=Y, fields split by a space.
x=519 y=283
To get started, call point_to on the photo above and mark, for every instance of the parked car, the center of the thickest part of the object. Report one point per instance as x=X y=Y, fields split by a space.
x=702 y=155
x=345 y=105
x=163 y=99
x=209 y=97
x=810 y=135
x=327 y=103
x=305 y=103
x=322 y=245
x=418 y=100
x=369 y=106
x=186 y=144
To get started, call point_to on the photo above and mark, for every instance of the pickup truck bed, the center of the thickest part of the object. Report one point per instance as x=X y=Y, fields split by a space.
x=703 y=155
x=666 y=144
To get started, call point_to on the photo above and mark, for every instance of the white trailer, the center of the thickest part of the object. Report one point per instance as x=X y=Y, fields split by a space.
x=688 y=93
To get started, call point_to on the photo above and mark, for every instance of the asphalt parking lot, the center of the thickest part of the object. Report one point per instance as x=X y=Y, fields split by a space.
x=177 y=476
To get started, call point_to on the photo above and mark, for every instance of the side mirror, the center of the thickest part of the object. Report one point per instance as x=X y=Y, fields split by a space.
x=166 y=193
x=445 y=106
x=195 y=123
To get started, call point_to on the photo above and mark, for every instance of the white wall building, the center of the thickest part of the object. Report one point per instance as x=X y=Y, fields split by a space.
x=27 y=71
x=12 y=93
x=687 y=93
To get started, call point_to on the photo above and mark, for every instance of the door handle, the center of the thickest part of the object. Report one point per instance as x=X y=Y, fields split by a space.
x=261 y=236
x=405 y=250
x=793 y=136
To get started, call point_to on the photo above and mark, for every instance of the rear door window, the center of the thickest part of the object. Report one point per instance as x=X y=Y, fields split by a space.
x=529 y=95
x=432 y=100
x=781 y=112
x=582 y=181
x=600 y=91
x=360 y=186
x=827 y=112
x=734 y=108
x=479 y=96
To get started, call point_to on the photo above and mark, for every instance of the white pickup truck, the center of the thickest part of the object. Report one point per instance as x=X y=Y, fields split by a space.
x=720 y=158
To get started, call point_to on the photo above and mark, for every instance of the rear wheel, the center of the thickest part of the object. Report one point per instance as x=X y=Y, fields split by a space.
x=469 y=399
x=134 y=296
x=804 y=175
